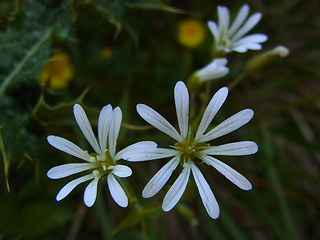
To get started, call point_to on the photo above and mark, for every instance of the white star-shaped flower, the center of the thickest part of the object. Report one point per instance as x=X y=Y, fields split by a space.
x=104 y=162
x=190 y=149
x=231 y=38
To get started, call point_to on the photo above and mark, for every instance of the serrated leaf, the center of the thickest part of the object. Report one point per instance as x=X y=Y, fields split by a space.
x=24 y=46
x=25 y=42
x=30 y=56
x=17 y=141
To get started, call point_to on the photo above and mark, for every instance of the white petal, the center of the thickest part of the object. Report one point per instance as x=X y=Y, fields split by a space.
x=177 y=189
x=214 y=29
x=206 y=194
x=252 y=38
x=211 y=110
x=150 y=154
x=104 y=120
x=220 y=72
x=122 y=171
x=68 y=147
x=68 y=169
x=157 y=182
x=221 y=61
x=250 y=46
x=85 y=127
x=224 y=18
x=228 y=172
x=242 y=15
x=251 y=22
x=156 y=120
x=213 y=70
x=240 y=49
x=136 y=147
x=114 y=130
x=71 y=185
x=90 y=194
x=116 y=191
x=232 y=149
x=181 y=98
x=232 y=123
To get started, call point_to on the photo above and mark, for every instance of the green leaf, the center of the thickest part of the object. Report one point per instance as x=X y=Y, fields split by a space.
x=25 y=42
x=8 y=10
x=18 y=135
x=33 y=219
x=30 y=56
x=153 y=4
x=137 y=215
x=24 y=46
x=133 y=218
x=269 y=156
x=63 y=22
x=114 y=10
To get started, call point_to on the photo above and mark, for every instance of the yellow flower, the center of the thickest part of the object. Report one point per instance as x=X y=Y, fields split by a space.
x=58 y=72
x=191 y=32
x=105 y=53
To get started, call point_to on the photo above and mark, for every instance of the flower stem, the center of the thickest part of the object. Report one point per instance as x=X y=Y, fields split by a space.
x=237 y=80
x=204 y=97
x=135 y=127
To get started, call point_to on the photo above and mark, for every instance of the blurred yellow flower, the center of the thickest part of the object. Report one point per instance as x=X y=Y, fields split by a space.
x=191 y=32
x=58 y=72
x=105 y=53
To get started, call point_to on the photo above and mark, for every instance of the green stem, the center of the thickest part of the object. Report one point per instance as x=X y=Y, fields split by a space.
x=192 y=104
x=21 y=64
x=143 y=228
x=102 y=216
x=237 y=80
x=5 y=160
x=205 y=99
x=135 y=127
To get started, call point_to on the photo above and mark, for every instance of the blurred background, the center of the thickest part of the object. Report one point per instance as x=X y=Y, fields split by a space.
x=54 y=53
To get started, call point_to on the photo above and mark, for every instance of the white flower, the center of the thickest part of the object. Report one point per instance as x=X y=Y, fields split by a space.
x=102 y=162
x=191 y=149
x=231 y=38
x=216 y=69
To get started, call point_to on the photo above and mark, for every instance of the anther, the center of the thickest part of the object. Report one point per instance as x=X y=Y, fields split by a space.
x=103 y=165
x=110 y=167
x=95 y=173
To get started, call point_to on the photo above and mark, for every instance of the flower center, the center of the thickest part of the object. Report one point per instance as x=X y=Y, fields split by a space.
x=104 y=163
x=225 y=41
x=189 y=149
